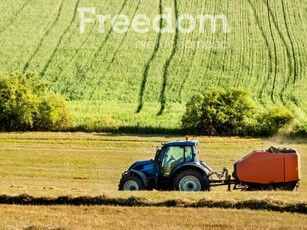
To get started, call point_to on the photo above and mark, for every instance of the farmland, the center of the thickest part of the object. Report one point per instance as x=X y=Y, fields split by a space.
x=79 y=164
x=265 y=52
x=143 y=218
x=139 y=83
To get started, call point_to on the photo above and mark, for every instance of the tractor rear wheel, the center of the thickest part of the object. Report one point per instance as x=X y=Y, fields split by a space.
x=190 y=181
x=131 y=183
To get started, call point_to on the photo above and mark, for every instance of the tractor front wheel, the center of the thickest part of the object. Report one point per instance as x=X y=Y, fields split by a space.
x=190 y=181
x=131 y=183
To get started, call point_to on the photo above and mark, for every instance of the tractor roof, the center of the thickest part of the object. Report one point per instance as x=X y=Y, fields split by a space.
x=181 y=143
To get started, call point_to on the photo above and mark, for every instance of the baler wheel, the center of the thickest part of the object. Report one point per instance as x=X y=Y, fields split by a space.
x=289 y=186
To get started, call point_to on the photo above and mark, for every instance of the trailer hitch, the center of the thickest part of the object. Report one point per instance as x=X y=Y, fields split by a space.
x=223 y=178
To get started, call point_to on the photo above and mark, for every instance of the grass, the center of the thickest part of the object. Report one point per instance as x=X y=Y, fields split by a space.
x=50 y=165
x=80 y=164
x=266 y=53
x=96 y=116
x=260 y=204
x=97 y=217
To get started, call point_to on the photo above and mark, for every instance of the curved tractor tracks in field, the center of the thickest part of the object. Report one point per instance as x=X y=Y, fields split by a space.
x=296 y=37
x=291 y=42
x=292 y=71
x=202 y=83
x=189 y=73
x=42 y=73
x=267 y=45
x=96 y=54
x=275 y=53
x=43 y=38
x=78 y=49
x=14 y=17
x=295 y=62
x=147 y=66
x=241 y=61
x=187 y=77
x=225 y=52
x=167 y=64
x=114 y=56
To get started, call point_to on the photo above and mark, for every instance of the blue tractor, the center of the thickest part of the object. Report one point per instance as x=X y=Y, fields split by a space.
x=176 y=167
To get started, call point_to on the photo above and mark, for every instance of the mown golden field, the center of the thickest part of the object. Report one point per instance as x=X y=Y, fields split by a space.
x=80 y=164
x=97 y=217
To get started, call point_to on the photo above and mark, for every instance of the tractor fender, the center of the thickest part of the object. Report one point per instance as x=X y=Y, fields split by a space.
x=190 y=165
x=141 y=175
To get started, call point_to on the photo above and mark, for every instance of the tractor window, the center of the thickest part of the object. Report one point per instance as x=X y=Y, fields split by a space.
x=173 y=153
x=188 y=153
x=196 y=152
x=174 y=156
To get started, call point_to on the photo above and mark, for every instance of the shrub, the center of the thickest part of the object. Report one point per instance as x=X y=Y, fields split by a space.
x=232 y=112
x=274 y=119
x=26 y=103
x=191 y=118
x=300 y=130
x=53 y=113
x=220 y=112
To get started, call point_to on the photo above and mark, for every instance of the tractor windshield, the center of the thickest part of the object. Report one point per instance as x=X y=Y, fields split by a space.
x=174 y=156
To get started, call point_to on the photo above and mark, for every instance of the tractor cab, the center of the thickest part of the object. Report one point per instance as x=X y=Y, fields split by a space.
x=173 y=154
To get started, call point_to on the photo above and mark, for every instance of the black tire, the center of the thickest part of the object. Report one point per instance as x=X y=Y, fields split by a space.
x=136 y=186
x=194 y=175
x=290 y=186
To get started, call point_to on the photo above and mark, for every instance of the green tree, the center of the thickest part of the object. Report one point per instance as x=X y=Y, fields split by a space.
x=26 y=103
x=191 y=118
x=220 y=112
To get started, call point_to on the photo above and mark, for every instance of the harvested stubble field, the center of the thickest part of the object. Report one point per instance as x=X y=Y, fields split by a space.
x=49 y=165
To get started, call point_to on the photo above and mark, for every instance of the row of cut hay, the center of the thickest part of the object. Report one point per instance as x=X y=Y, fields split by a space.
x=266 y=204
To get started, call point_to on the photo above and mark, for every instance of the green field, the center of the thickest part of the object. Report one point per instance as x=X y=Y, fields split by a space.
x=106 y=72
x=79 y=164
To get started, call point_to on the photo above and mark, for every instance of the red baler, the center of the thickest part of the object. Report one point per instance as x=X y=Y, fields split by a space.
x=273 y=168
